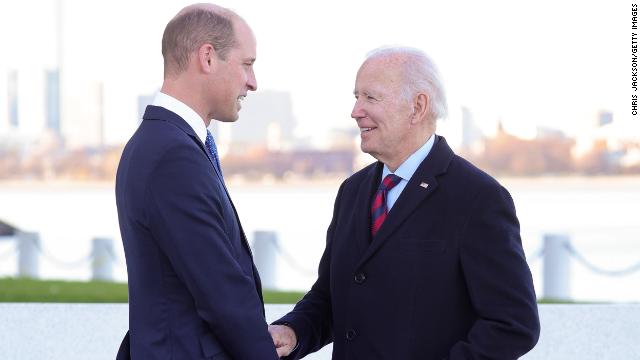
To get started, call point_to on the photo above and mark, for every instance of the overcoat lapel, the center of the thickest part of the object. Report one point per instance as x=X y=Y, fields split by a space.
x=362 y=212
x=422 y=184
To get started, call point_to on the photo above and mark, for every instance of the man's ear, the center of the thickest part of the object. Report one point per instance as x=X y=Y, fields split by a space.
x=420 y=108
x=207 y=58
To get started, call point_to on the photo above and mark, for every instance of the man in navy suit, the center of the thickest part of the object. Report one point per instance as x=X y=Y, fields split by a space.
x=423 y=257
x=194 y=292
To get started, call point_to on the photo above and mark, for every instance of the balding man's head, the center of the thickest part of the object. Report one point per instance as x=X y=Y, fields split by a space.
x=420 y=75
x=192 y=27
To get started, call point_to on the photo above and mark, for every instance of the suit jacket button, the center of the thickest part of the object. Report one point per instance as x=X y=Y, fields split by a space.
x=360 y=278
x=351 y=334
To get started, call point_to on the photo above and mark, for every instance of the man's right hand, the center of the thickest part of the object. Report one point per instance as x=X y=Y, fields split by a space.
x=284 y=338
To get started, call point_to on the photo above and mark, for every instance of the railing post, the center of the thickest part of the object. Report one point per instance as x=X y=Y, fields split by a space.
x=102 y=259
x=556 y=270
x=28 y=251
x=265 y=247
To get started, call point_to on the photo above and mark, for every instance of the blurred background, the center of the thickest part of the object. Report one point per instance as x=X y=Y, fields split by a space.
x=539 y=97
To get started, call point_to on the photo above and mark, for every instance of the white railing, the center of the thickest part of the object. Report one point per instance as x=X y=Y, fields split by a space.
x=93 y=331
x=556 y=253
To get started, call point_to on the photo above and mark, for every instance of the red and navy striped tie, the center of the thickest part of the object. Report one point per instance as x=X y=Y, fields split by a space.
x=379 y=206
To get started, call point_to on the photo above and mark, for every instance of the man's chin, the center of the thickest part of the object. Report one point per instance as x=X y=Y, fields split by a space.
x=370 y=150
x=228 y=118
x=366 y=147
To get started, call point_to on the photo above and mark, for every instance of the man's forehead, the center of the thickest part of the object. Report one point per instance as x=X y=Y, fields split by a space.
x=379 y=72
x=246 y=41
x=390 y=62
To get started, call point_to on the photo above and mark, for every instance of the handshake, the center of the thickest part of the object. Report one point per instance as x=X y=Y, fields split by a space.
x=284 y=339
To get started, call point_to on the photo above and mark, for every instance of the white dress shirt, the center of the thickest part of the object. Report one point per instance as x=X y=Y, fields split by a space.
x=406 y=170
x=184 y=111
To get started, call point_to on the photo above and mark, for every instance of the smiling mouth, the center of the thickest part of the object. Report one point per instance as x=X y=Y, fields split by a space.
x=364 y=130
x=239 y=100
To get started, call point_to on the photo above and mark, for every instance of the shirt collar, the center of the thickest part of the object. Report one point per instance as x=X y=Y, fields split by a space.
x=184 y=111
x=409 y=166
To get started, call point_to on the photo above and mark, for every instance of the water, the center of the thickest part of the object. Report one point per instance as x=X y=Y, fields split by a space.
x=600 y=215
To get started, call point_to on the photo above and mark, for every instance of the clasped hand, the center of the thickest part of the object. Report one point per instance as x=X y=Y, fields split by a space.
x=284 y=338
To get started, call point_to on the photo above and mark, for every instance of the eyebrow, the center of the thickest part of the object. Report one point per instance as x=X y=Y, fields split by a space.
x=366 y=93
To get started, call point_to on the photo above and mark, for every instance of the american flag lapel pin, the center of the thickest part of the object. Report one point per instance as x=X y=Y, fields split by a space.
x=424 y=184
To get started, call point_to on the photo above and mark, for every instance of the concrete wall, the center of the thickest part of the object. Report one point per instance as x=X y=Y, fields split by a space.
x=94 y=331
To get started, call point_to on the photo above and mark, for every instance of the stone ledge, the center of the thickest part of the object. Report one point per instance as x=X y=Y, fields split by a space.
x=93 y=331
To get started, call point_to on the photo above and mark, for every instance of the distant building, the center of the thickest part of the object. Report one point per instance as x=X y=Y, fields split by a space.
x=604 y=132
x=308 y=163
x=266 y=121
x=344 y=138
x=143 y=102
x=549 y=133
x=23 y=98
x=52 y=100
x=605 y=117
x=12 y=98
x=472 y=136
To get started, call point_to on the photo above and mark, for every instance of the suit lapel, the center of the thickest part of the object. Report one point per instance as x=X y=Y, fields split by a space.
x=363 y=207
x=422 y=184
x=160 y=113
x=215 y=168
x=245 y=242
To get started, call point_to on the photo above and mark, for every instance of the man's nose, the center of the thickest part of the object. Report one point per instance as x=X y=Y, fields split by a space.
x=357 y=111
x=252 y=83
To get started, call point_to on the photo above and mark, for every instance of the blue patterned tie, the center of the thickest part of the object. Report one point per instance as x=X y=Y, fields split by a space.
x=210 y=144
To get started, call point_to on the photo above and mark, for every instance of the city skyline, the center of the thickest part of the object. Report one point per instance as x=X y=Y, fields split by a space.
x=525 y=66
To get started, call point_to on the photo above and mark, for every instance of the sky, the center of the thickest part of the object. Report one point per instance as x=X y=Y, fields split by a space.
x=528 y=64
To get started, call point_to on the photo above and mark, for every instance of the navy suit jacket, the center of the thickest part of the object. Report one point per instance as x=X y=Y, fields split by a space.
x=194 y=292
x=445 y=277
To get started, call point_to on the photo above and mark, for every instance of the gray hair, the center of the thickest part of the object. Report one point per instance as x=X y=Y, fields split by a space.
x=421 y=76
x=189 y=30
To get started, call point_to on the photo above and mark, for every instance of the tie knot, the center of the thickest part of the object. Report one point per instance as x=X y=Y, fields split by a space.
x=389 y=182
